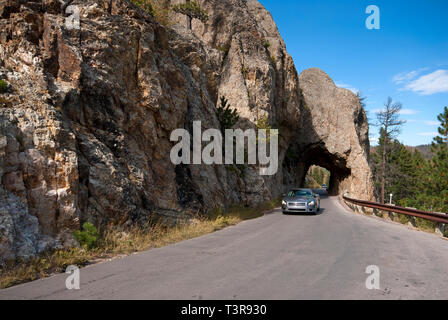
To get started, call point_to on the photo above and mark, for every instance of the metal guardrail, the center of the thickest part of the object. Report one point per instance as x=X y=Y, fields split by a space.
x=432 y=216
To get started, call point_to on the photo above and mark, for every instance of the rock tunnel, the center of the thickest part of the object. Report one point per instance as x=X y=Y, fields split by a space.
x=339 y=172
x=295 y=168
x=333 y=134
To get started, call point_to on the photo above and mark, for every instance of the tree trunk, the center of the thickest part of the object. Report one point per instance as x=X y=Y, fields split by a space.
x=383 y=164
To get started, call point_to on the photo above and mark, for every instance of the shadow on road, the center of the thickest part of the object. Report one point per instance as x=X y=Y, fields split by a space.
x=309 y=214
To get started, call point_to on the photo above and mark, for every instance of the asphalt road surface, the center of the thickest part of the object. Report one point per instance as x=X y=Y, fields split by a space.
x=273 y=257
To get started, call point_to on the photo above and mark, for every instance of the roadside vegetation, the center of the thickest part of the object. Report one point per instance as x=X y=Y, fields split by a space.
x=99 y=245
x=414 y=181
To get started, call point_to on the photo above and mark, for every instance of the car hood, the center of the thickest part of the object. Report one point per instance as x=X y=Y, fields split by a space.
x=299 y=199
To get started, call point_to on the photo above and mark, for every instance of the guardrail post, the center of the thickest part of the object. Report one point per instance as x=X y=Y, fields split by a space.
x=411 y=222
x=378 y=213
x=440 y=228
x=392 y=214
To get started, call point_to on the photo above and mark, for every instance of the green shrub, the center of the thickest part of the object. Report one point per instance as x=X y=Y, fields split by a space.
x=88 y=237
x=145 y=5
x=191 y=9
x=3 y=86
x=158 y=9
x=267 y=44
x=425 y=225
x=403 y=219
x=226 y=116
x=263 y=124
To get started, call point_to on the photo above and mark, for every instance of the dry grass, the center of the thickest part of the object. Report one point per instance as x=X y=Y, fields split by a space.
x=16 y=272
x=115 y=242
x=418 y=223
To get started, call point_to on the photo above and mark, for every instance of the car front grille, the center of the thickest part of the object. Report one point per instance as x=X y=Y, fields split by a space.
x=297 y=204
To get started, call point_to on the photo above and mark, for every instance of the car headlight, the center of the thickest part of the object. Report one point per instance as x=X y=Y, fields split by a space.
x=283 y=203
x=312 y=203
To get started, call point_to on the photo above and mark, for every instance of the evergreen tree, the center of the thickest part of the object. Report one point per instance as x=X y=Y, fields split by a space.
x=442 y=139
x=389 y=122
x=439 y=164
x=404 y=170
x=226 y=116
x=431 y=180
x=414 y=181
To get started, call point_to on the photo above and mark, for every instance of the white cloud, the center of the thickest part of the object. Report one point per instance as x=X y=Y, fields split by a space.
x=347 y=86
x=408 y=112
x=428 y=134
x=434 y=82
x=405 y=76
x=432 y=123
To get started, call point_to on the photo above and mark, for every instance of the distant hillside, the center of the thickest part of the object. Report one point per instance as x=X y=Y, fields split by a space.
x=424 y=149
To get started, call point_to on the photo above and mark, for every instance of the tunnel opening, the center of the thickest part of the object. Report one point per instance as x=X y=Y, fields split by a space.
x=299 y=160
x=317 y=177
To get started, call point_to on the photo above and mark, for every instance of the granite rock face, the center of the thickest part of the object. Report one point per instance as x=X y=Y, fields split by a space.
x=335 y=134
x=86 y=120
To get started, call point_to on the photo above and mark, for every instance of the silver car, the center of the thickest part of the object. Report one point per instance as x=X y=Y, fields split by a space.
x=301 y=200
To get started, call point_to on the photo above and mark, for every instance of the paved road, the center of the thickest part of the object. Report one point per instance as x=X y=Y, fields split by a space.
x=273 y=257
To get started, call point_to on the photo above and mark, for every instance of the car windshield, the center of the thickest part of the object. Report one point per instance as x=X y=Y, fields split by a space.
x=300 y=193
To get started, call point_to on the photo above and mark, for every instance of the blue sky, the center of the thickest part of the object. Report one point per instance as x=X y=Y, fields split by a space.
x=407 y=58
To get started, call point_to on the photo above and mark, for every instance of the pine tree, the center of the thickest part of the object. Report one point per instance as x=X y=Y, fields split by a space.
x=442 y=140
x=421 y=169
x=439 y=164
x=404 y=172
x=431 y=181
x=226 y=116
x=389 y=122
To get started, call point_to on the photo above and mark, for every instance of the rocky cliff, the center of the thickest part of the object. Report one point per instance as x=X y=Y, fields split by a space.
x=86 y=119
